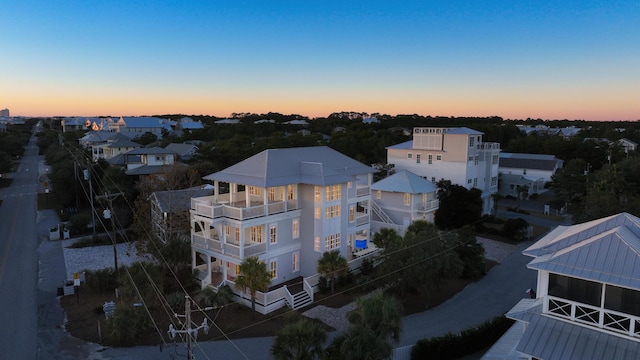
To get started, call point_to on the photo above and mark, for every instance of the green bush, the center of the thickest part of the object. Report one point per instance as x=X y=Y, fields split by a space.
x=128 y=323
x=176 y=302
x=515 y=229
x=453 y=346
x=100 y=280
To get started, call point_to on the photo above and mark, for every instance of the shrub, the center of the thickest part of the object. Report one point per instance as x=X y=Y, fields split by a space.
x=176 y=302
x=515 y=229
x=453 y=346
x=128 y=323
x=100 y=280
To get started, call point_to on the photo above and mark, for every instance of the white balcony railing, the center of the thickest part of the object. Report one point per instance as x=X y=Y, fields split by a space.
x=429 y=206
x=595 y=316
x=212 y=210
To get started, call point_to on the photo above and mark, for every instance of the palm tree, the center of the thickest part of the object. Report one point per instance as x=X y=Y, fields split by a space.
x=301 y=340
x=215 y=298
x=332 y=265
x=374 y=322
x=254 y=276
x=386 y=237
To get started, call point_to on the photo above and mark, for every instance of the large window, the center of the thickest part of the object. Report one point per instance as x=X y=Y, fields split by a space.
x=622 y=299
x=317 y=193
x=582 y=291
x=254 y=190
x=332 y=211
x=273 y=268
x=271 y=193
x=295 y=229
x=332 y=242
x=352 y=213
x=295 y=262
x=407 y=199
x=272 y=234
x=256 y=234
x=290 y=192
x=316 y=243
x=417 y=158
x=332 y=192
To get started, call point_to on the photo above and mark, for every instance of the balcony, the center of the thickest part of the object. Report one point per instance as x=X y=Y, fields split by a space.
x=428 y=206
x=595 y=316
x=229 y=248
x=239 y=210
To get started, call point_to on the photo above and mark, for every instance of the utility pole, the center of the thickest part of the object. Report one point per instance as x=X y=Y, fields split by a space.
x=87 y=177
x=189 y=331
x=108 y=214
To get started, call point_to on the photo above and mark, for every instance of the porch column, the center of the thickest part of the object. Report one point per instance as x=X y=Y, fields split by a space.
x=265 y=200
x=233 y=189
x=247 y=198
x=216 y=190
x=209 y=269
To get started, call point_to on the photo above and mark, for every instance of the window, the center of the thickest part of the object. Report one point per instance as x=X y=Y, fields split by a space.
x=332 y=242
x=622 y=299
x=583 y=291
x=475 y=182
x=256 y=234
x=271 y=193
x=424 y=198
x=438 y=157
x=470 y=158
x=237 y=268
x=316 y=212
x=295 y=262
x=350 y=184
x=332 y=211
x=471 y=140
x=407 y=199
x=295 y=228
x=273 y=268
x=476 y=159
x=379 y=194
x=333 y=192
x=417 y=158
x=272 y=234
x=316 y=243
x=317 y=194
x=494 y=181
x=469 y=181
x=430 y=159
x=494 y=159
x=433 y=179
x=524 y=171
x=409 y=155
x=254 y=190
x=290 y=192
x=237 y=231
x=352 y=213
x=161 y=158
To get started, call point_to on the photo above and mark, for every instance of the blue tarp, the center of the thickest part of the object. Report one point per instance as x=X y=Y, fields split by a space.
x=361 y=244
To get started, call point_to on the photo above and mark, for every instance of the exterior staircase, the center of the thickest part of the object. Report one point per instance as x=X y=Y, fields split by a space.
x=377 y=210
x=301 y=300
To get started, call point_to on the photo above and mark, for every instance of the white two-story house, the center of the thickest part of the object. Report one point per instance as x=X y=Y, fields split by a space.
x=286 y=207
x=456 y=154
x=587 y=303
x=401 y=199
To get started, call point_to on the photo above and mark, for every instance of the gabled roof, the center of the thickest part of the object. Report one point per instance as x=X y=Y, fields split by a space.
x=606 y=250
x=317 y=165
x=174 y=200
x=180 y=149
x=120 y=141
x=529 y=161
x=149 y=151
x=405 y=182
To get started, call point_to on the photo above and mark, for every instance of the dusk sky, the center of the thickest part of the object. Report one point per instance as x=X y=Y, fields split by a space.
x=516 y=59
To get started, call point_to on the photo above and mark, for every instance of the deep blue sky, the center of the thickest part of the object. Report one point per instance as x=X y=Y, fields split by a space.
x=547 y=59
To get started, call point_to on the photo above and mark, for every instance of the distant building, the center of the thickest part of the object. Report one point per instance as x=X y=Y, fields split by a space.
x=531 y=170
x=4 y=113
x=455 y=154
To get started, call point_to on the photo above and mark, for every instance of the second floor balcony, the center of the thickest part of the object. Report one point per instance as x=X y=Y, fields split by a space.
x=234 y=249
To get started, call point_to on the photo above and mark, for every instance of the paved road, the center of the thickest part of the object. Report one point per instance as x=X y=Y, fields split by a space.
x=19 y=261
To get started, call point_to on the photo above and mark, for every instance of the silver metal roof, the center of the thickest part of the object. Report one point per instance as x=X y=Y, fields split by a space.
x=606 y=250
x=317 y=165
x=405 y=182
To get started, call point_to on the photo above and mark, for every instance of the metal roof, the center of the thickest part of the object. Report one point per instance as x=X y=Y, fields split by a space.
x=317 y=165
x=549 y=338
x=405 y=182
x=176 y=200
x=606 y=250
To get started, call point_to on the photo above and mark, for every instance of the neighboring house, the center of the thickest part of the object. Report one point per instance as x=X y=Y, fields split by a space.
x=78 y=123
x=286 y=207
x=627 y=145
x=3 y=127
x=183 y=151
x=95 y=137
x=170 y=211
x=588 y=295
x=227 y=121
x=532 y=170
x=400 y=199
x=456 y=154
x=115 y=145
x=144 y=161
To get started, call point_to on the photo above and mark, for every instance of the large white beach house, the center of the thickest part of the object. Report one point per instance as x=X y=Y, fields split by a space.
x=456 y=154
x=286 y=207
